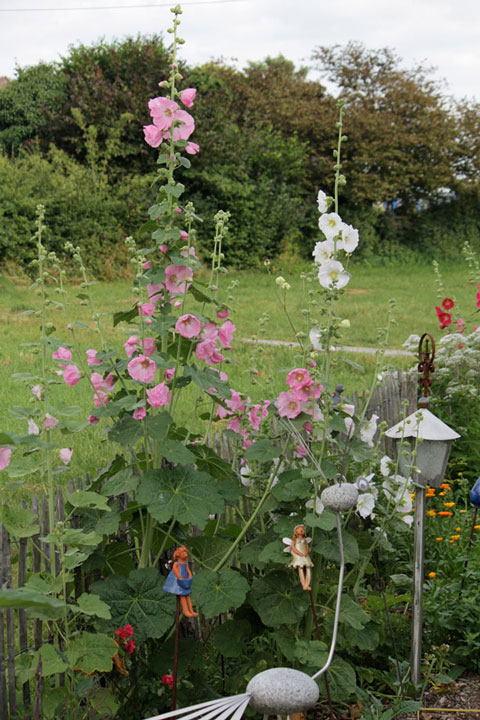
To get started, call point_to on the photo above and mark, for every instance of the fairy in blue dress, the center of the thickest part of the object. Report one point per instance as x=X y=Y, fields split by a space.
x=179 y=581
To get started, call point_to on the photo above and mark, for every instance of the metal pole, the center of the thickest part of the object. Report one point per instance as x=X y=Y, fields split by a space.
x=175 y=655
x=418 y=561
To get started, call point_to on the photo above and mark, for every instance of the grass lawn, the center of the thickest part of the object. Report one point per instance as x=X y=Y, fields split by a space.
x=364 y=304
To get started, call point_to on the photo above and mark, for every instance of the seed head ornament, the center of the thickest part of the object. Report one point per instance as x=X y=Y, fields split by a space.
x=280 y=691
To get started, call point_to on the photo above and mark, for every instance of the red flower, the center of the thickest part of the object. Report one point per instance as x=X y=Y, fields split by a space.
x=444 y=318
x=128 y=630
x=129 y=646
x=124 y=632
x=447 y=304
x=167 y=680
x=478 y=299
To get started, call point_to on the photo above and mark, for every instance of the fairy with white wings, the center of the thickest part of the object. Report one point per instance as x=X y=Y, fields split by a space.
x=298 y=547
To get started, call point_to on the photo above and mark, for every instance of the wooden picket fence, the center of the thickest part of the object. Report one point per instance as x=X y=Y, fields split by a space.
x=397 y=395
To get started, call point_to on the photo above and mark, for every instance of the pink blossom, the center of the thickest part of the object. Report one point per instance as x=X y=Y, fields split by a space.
x=65 y=455
x=131 y=345
x=226 y=332
x=175 y=278
x=139 y=413
x=147 y=265
x=207 y=350
x=176 y=303
x=37 y=391
x=96 y=380
x=183 y=235
x=288 y=404
x=33 y=428
x=62 y=354
x=154 y=292
x=163 y=249
x=234 y=424
x=191 y=251
x=146 y=309
x=210 y=331
x=223 y=412
x=188 y=96
x=178 y=210
x=235 y=403
x=49 y=421
x=92 y=357
x=460 y=325
x=308 y=427
x=142 y=369
x=169 y=373
x=188 y=326
x=149 y=346
x=192 y=148
x=163 y=112
x=300 y=451
x=93 y=420
x=5 y=455
x=109 y=382
x=298 y=378
x=100 y=399
x=71 y=375
x=159 y=395
x=223 y=313
x=153 y=135
x=254 y=417
x=184 y=128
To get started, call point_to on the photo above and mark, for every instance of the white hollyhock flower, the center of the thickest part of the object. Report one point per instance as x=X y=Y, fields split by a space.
x=349 y=241
x=323 y=201
x=368 y=430
x=332 y=274
x=246 y=477
x=65 y=455
x=408 y=520
x=386 y=465
x=403 y=501
x=330 y=224
x=33 y=427
x=349 y=426
x=319 y=506
x=323 y=251
x=365 y=504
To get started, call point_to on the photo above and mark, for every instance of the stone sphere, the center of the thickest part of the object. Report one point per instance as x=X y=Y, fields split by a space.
x=282 y=691
x=339 y=497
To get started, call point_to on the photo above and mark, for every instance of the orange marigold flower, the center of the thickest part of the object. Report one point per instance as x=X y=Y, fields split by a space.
x=445 y=486
x=442 y=493
x=450 y=541
x=476 y=527
x=445 y=513
x=458 y=529
x=449 y=504
x=432 y=513
x=431 y=574
x=455 y=537
x=439 y=539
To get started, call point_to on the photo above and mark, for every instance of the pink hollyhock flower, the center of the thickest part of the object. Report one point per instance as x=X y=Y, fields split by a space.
x=93 y=420
x=223 y=313
x=65 y=455
x=188 y=326
x=191 y=252
x=444 y=318
x=186 y=125
x=210 y=331
x=149 y=346
x=223 y=412
x=159 y=395
x=100 y=399
x=234 y=424
x=147 y=265
x=147 y=309
x=183 y=235
x=207 y=350
x=478 y=299
x=460 y=325
x=33 y=428
x=62 y=354
x=71 y=375
x=37 y=391
x=96 y=380
x=225 y=333
x=109 y=382
x=163 y=249
x=176 y=304
x=300 y=451
x=235 y=403
x=192 y=148
x=288 y=405
x=131 y=345
x=163 y=111
x=5 y=456
x=154 y=292
x=92 y=357
x=139 y=413
x=153 y=135
x=169 y=373
x=175 y=278
x=178 y=211
x=188 y=96
x=298 y=378
x=308 y=427
x=142 y=369
x=254 y=417
x=49 y=421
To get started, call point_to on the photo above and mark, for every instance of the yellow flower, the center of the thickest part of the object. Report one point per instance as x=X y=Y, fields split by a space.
x=449 y=504
x=431 y=574
x=445 y=486
x=439 y=539
x=445 y=513
x=412 y=495
x=455 y=537
x=432 y=513
x=458 y=529
x=442 y=493
x=476 y=527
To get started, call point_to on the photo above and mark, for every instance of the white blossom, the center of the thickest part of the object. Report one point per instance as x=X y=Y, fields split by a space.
x=319 y=506
x=333 y=274
x=33 y=427
x=323 y=201
x=330 y=224
x=323 y=251
x=365 y=504
x=349 y=241
x=368 y=430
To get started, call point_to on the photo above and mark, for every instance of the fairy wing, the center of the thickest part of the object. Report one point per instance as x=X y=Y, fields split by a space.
x=288 y=543
x=229 y=708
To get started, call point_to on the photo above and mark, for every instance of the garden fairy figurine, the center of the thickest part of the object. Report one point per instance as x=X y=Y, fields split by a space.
x=298 y=547
x=179 y=581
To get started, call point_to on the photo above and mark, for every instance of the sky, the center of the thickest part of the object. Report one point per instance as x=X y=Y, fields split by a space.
x=440 y=33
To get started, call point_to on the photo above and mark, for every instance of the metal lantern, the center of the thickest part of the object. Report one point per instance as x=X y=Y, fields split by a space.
x=423 y=448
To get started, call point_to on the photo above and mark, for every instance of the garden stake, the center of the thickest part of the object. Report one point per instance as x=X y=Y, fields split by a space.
x=381 y=585
x=474 y=522
x=175 y=656
x=319 y=637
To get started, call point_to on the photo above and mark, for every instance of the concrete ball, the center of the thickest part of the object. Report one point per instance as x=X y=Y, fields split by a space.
x=282 y=691
x=339 y=497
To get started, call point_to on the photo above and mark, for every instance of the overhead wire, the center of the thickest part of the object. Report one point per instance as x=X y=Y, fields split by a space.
x=119 y=7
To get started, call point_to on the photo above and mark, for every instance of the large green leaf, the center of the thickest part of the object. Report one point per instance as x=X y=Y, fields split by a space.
x=126 y=431
x=326 y=544
x=206 y=379
x=352 y=614
x=209 y=550
x=176 y=452
x=229 y=637
x=88 y=499
x=278 y=598
x=341 y=680
x=291 y=486
x=209 y=461
x=182 y=493
x=325 y=521
x=312 y=653
x=217 y=593
x=91 y=604
x=91 y=652
x=33 y=599
x=262 y=450
x=20 y=523
x=122 y=482
x=250 y=553
x=139 y=600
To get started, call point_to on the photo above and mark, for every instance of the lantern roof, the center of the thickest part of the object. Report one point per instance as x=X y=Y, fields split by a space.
x=422 y=424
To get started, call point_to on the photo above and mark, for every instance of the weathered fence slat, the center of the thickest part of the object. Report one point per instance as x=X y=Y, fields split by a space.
x=10 y=625
x=3 y=678
x=36 y=546
x=22 y=617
